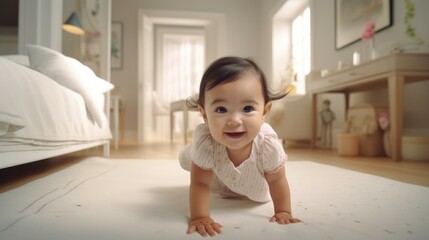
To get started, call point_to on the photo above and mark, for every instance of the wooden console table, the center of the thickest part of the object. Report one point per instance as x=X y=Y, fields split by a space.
x=390 y=72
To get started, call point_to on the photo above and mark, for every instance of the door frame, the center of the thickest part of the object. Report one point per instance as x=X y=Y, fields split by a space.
x=214 y=28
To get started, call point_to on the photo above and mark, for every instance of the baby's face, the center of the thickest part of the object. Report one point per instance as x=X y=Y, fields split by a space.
x=234 y=112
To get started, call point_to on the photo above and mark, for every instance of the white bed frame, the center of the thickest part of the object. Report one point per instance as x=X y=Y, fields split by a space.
x=9 y=159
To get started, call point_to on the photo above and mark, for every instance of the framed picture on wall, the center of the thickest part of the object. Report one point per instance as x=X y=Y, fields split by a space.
x=352 y=15
x=116 y=49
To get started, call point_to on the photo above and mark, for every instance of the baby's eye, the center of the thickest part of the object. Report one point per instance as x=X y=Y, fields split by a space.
x=248 y=109
x=220 y=110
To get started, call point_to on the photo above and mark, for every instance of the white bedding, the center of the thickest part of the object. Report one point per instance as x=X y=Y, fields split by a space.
x=71 y=74
x=38 y=113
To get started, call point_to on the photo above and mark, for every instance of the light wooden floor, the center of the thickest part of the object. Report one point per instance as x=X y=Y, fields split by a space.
x=415 y=172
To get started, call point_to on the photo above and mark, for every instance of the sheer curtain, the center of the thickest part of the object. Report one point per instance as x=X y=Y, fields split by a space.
x=182 y=60
x=183 y=63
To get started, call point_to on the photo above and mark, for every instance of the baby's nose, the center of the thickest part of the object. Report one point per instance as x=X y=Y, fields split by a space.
x=235 y=119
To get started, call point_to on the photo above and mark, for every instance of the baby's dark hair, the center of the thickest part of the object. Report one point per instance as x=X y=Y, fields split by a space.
x=228 y=69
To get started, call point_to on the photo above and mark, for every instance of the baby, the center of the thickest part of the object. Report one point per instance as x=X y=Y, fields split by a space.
x=235 y=153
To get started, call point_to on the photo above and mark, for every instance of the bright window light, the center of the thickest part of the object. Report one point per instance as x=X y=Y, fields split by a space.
x=301 y=49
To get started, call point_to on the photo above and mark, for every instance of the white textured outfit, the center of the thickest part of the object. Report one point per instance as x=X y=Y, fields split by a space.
x=247 y=179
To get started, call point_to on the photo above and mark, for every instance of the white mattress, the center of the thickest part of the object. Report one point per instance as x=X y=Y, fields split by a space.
x=38 y=114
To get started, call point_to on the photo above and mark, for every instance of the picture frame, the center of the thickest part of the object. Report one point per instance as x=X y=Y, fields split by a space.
x=116 y=49
x=351 y=17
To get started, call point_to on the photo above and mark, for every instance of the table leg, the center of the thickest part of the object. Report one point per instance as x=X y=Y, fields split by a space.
x=171 y=125
x=185 y=124
x=396 y=95
x=116 y=121
x=314 y=121
x=346 y=104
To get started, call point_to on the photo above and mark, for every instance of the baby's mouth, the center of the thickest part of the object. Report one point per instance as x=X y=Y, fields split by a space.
x=234 y=134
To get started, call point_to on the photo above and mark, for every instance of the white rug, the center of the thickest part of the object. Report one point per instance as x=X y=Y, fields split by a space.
x=148 y=199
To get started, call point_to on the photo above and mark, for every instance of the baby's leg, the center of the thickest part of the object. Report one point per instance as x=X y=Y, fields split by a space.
x=185 y=158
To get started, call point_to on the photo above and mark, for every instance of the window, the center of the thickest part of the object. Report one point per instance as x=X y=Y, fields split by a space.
x=301 y=49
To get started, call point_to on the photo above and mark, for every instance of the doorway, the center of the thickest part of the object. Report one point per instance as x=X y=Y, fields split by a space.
x=179 y=65
x=177 y=28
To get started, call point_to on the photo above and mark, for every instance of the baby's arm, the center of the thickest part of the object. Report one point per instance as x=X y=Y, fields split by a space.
x=199 y=198
x=280 y=194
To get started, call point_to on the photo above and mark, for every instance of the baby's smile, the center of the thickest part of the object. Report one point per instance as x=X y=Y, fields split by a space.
x=235 y=134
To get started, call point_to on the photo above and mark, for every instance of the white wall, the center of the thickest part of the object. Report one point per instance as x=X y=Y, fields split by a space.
x=326 y=57
x=97 y=49
x=39 y=23
x=70 y=42
x=242 y=39
x=249 y=31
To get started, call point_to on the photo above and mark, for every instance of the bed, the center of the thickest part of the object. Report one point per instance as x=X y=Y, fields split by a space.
x=50 y=105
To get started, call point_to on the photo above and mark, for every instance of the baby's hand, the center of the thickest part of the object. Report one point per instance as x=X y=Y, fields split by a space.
x=284 y=218
x=204 y=226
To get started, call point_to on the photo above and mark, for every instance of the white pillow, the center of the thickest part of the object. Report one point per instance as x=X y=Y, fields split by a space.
x=96 y=83
x=72 y=74
x=20 y=59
